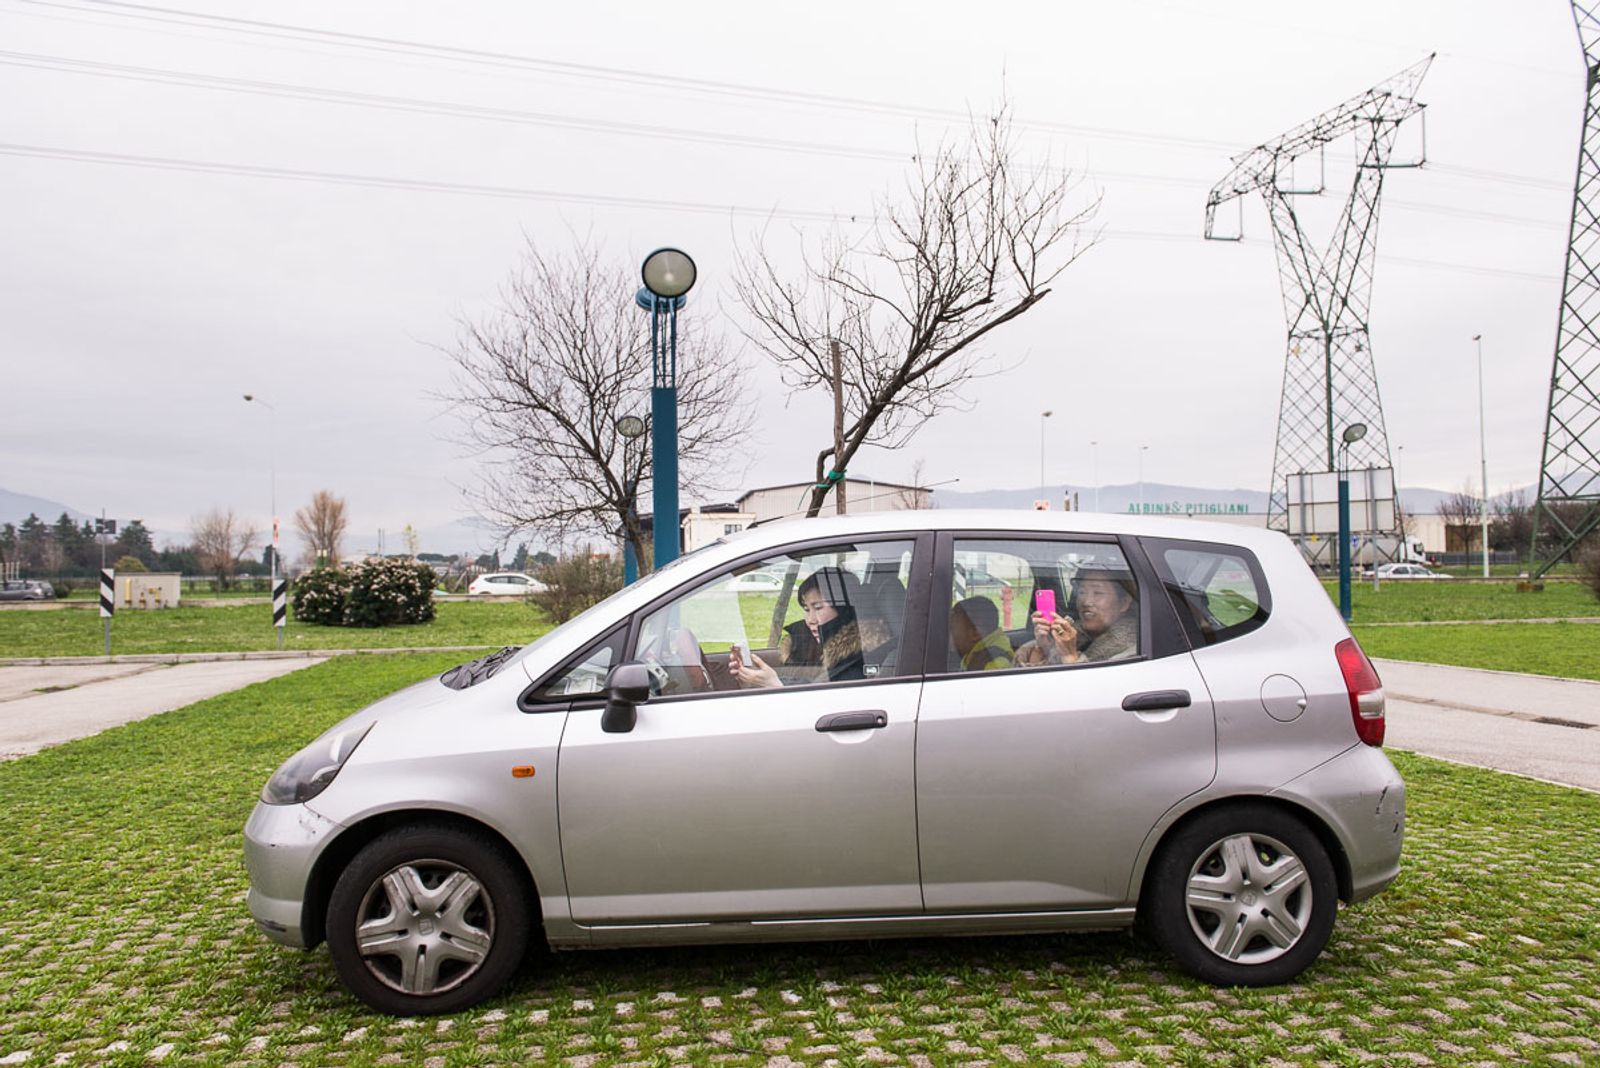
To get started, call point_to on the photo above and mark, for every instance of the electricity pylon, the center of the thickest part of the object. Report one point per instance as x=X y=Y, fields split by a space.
x=1329 y=380
x=1569 y=470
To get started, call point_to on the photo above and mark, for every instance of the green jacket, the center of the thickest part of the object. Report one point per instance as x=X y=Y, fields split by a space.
x=992 y=653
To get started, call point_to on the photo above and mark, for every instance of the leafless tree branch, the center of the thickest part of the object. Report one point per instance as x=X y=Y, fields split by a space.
x=541 y=381
x=977 y=240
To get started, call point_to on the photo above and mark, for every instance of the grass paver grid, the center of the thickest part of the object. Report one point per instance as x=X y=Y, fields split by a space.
x=124 y=940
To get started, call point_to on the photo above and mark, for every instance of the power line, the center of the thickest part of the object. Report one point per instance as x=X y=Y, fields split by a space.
x=422 y=185
x=417 y=105
x=300 y=91
x=1481 y=175
x=212 y=167
x=367 y=42
x=622 y=75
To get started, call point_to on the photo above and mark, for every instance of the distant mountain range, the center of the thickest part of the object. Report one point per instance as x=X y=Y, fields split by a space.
x=15 y=507
x=1418 y=500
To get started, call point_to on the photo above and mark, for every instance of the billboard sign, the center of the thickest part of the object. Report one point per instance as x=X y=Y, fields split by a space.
x=1313 y=498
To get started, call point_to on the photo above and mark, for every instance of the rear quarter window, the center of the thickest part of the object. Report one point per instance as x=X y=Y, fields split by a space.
x=1218 y=591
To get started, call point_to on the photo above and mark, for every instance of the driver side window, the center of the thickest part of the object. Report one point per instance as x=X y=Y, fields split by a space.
x=810 y=617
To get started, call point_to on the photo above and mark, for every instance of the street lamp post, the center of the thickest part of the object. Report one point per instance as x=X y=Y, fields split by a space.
x=1352 y=434
x=1399 y=480
x=1042 y=417
x=272 y=468
x=1483 y=460
x=632 y=428
x=1094 y=471
x=1142 y=450
x=668 y=275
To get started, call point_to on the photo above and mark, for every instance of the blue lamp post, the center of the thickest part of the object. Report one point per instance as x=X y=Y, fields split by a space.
x=1352 y=434
x=668 y=274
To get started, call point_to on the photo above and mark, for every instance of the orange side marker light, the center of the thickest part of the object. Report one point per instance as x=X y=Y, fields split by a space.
x=522 y=771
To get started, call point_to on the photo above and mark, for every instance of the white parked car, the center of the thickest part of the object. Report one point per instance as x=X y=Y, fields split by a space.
x=513 y=583
x=1405 y=571
x=756 y=582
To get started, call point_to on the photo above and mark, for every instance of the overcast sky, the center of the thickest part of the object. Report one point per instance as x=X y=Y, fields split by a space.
x=137 y=303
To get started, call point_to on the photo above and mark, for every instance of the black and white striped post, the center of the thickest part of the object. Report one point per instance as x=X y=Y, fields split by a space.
x=280 y=606
x=108 y=601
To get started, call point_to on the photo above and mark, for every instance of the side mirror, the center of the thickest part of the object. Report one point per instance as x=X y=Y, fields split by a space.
x=626 y=685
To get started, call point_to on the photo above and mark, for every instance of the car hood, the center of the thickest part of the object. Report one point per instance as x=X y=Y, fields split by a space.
x=428 y=695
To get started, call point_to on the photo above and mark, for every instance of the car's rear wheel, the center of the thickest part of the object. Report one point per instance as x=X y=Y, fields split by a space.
x=428 y=920
x=1242 y=896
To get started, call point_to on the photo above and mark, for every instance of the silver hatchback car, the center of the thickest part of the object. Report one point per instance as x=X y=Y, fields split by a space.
x=932 y=723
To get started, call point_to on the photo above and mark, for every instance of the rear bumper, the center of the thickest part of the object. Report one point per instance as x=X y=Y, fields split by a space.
x=1363 y=801
x=281 y=844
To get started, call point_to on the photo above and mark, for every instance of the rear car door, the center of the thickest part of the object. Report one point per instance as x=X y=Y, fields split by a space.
x=1041 y=769
x=731 y=802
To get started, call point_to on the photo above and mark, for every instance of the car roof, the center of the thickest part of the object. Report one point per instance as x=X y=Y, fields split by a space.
x=1004 y=520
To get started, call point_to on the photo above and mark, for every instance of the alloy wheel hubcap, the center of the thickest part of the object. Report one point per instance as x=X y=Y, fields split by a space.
x=1248 y=898
x=425 y=927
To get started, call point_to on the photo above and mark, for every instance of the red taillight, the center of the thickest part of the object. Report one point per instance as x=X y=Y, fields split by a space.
x=1365 y=689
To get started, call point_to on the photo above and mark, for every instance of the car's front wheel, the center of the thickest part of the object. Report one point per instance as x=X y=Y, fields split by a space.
x=1242 y=896
x=428 y=919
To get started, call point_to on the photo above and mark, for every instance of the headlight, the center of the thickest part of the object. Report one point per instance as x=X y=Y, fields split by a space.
x=307 y=773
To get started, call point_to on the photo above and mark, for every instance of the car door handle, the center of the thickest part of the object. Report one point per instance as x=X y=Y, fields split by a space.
x=1155 y=700
x=853 y=721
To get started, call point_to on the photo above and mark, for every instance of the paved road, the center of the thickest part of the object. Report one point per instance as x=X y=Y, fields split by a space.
x=84 y=699
x=1527 y=724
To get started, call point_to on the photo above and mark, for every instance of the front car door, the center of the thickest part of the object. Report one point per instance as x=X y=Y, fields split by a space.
x=729 y=800
x=1036 y=786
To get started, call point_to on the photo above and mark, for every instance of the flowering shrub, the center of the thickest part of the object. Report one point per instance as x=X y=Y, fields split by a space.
x=319 y=596
x=379 y=593
x=385 y=592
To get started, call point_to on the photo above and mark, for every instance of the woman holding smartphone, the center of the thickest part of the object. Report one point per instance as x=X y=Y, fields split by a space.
x=829 y=642
x=1108 y=627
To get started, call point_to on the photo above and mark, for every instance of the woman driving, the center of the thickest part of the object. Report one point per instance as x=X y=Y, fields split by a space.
x=829 y=642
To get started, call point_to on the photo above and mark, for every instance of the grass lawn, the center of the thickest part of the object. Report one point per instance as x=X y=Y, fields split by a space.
x=89 y=590
x=246 y=627
x=124 y=940
x=1398 y=602
x=1571 y=650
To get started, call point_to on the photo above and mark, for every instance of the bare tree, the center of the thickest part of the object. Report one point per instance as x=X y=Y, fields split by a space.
x=980 y=239
x=322 y=524
x=221 y=540
x=914 y=498
x=542 y=381
x=1462 y=511
x=1511 y=525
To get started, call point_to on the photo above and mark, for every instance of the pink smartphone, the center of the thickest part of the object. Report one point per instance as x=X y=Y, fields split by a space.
x=1045 y=601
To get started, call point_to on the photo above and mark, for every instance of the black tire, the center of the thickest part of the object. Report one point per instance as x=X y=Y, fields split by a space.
x=1251 y=925
x=489 y=921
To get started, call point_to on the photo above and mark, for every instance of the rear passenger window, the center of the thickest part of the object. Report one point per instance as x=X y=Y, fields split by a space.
x=1217 y=590
x=1018 y=603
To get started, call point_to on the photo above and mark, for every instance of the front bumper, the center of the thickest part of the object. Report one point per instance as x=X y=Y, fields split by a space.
x=281 y=844
x=1363 y=800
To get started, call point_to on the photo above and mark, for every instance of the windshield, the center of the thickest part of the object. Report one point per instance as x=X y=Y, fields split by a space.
x=661 y=577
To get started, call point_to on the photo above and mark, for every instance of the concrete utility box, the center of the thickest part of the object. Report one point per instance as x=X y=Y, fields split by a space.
x=147 y=589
